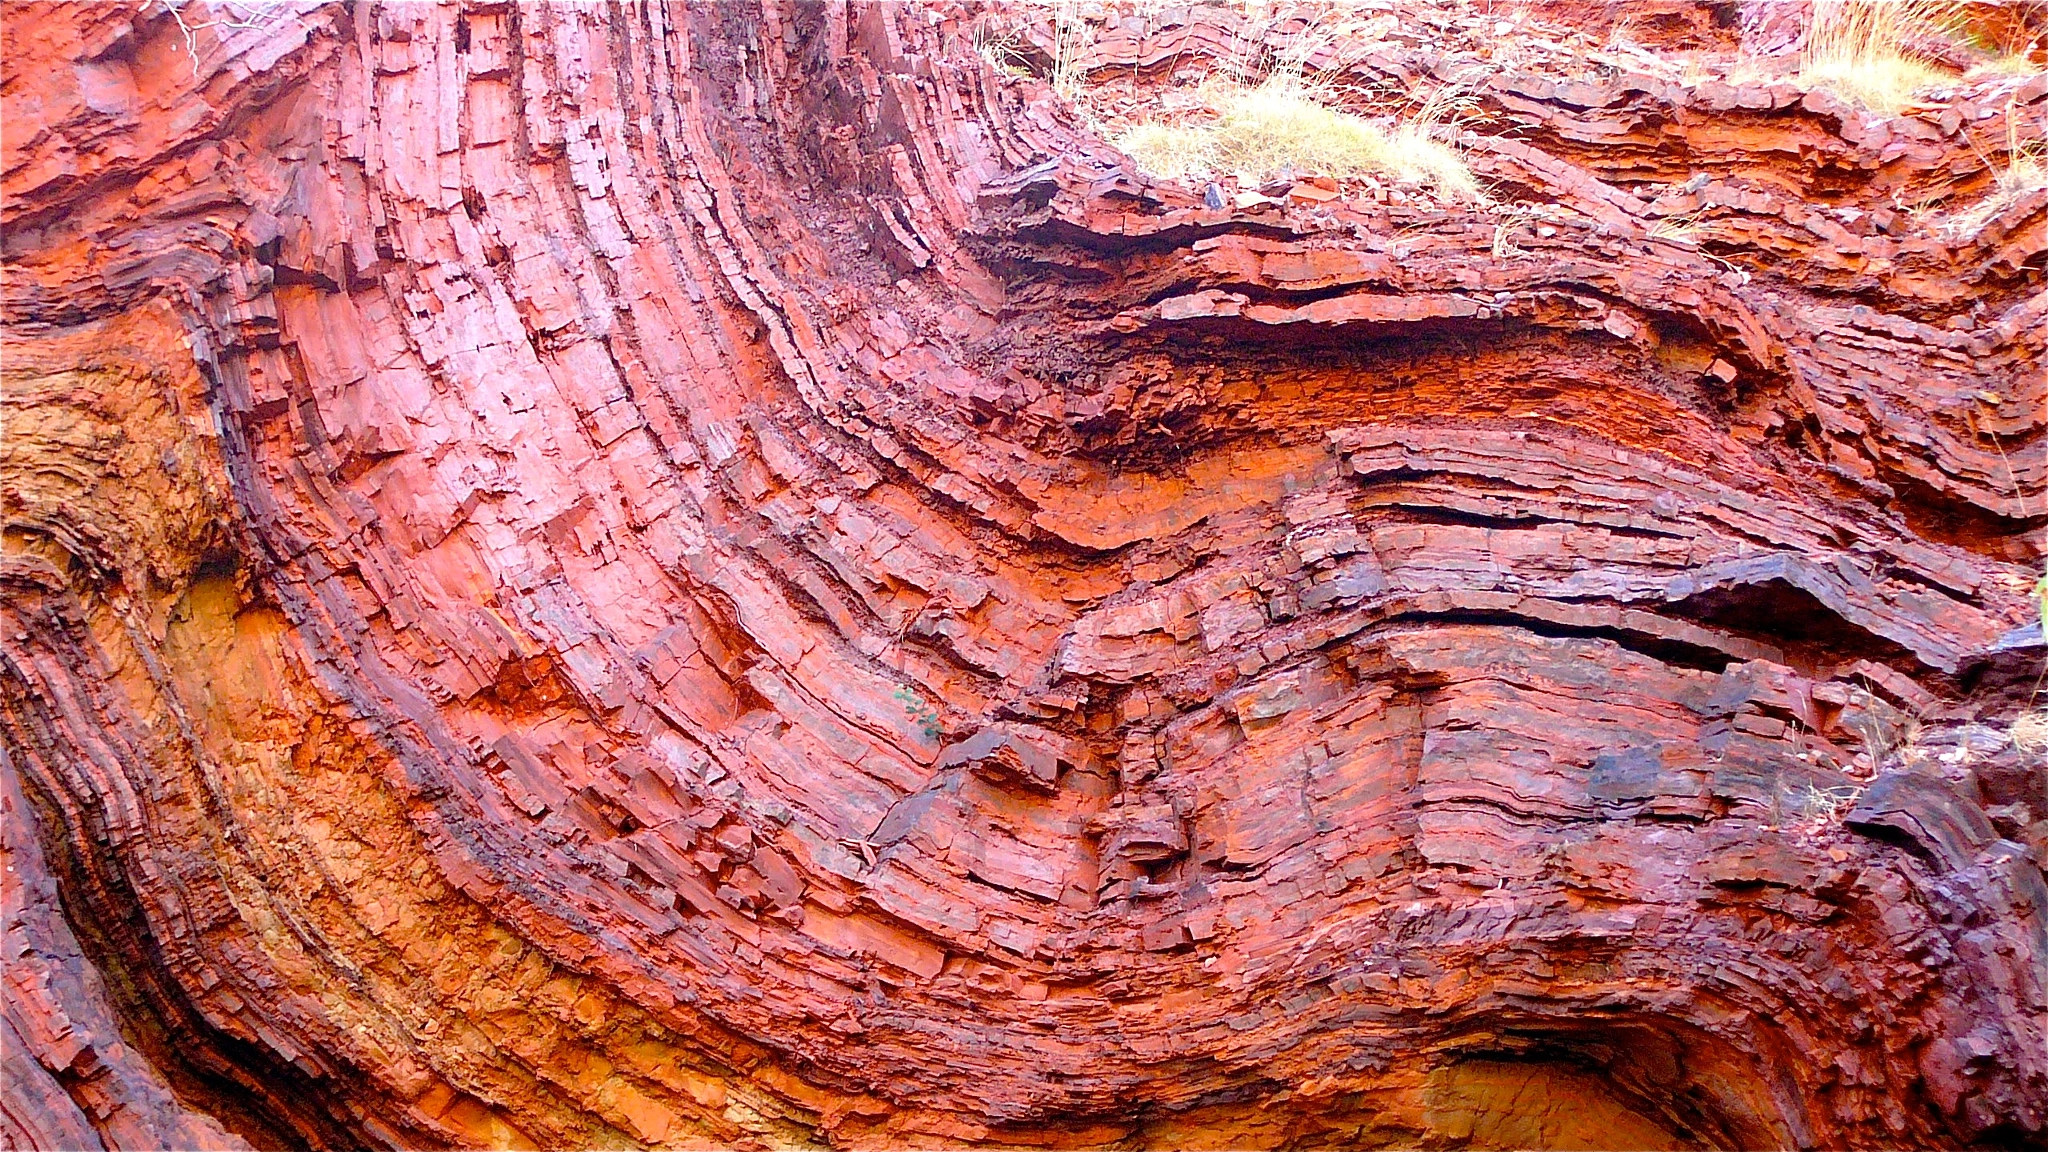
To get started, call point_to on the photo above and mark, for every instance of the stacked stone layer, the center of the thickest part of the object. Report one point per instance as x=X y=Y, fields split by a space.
x=729 y=575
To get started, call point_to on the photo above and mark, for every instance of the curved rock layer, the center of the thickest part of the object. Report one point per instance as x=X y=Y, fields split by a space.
x=677 y=575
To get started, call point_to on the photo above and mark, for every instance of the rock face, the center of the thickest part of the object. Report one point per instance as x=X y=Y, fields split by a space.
x=728 y=575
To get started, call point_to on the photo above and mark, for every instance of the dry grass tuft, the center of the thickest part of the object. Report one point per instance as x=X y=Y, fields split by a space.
x=1684 y=228
x=1820 y=807
x=1884 y=731
x=1058 y=64
x=2030 y=732
x=1004 y=53
x=2003 y=64
x=1071 y=37
x=1862 y=50
x=1505 y=227
x=2025 y=171
x=1283 y=126
x=1171 y=151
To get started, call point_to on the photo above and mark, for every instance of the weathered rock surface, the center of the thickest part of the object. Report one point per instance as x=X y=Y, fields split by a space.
x=697 y=575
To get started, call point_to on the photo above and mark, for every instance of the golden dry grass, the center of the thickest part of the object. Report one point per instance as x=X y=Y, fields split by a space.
x=2030 y=731
x=1283 y=126
x=1861 y=50
x=2004 y=64
x=2024 y=170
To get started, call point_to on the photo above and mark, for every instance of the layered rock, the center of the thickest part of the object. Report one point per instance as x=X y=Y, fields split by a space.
x=734 y=576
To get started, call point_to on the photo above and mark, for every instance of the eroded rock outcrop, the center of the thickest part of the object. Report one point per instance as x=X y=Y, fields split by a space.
x=730 y=575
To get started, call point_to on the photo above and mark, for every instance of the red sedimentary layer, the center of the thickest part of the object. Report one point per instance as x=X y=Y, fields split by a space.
x=729 y=575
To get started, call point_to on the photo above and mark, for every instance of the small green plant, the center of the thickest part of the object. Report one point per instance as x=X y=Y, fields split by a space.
x=922 y=714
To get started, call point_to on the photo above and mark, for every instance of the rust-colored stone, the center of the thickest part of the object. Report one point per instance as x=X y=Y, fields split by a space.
x=701 y=575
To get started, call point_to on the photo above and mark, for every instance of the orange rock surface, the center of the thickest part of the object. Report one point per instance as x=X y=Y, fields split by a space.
x=734 y=576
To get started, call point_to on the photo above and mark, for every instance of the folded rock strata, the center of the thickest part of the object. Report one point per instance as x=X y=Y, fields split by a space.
x=728 y=575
